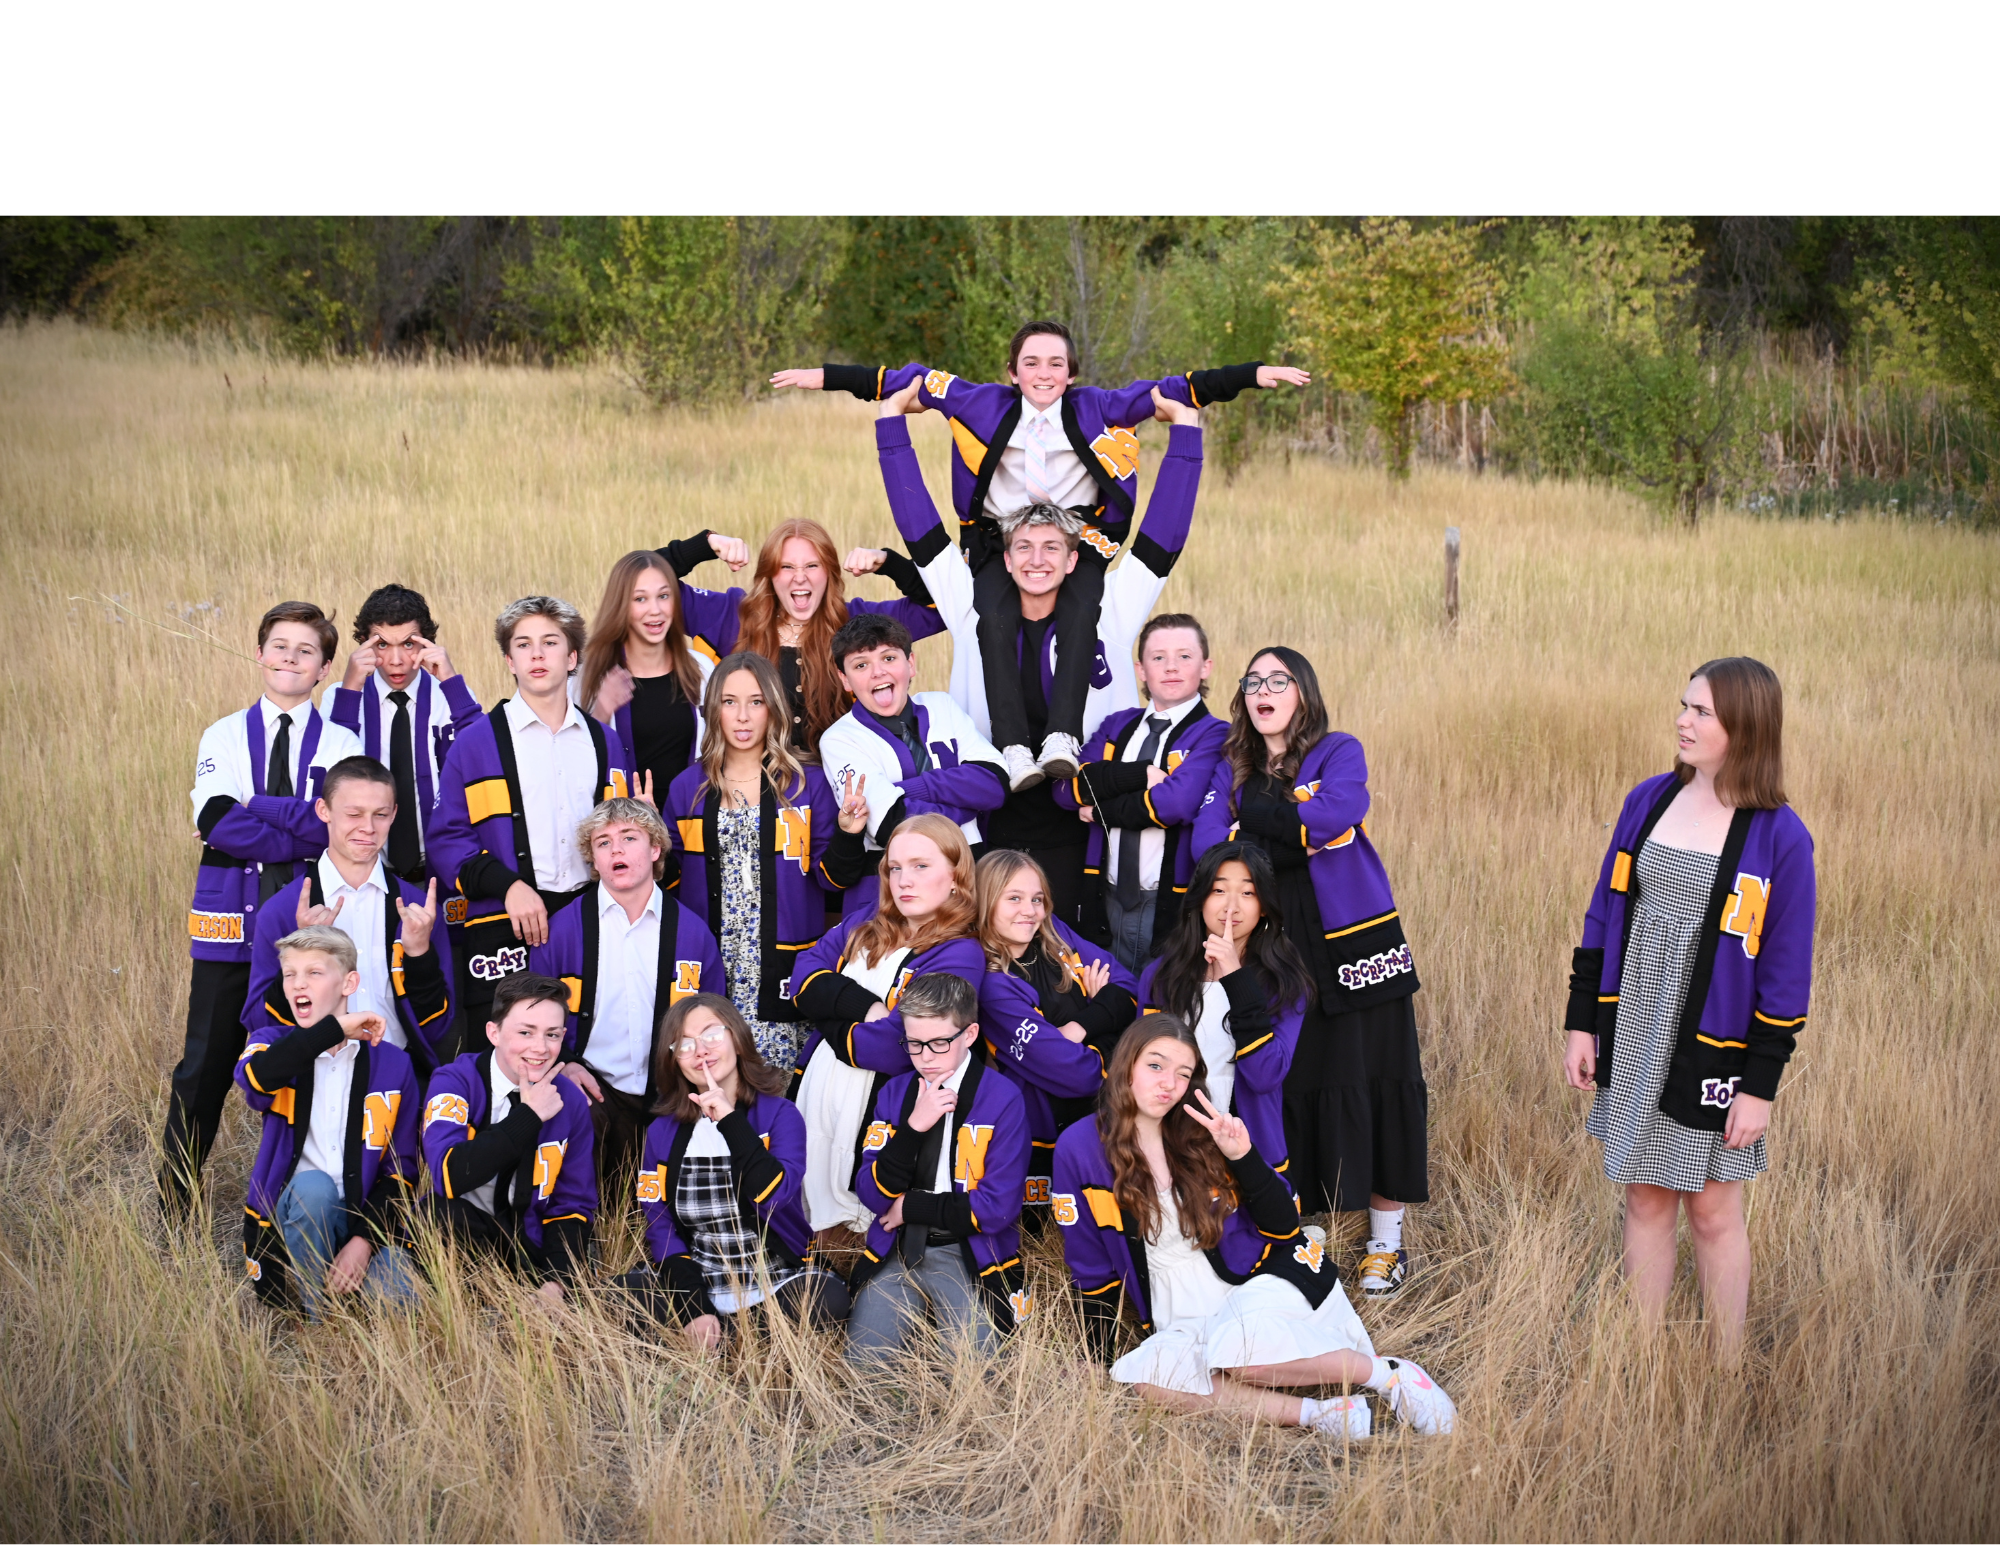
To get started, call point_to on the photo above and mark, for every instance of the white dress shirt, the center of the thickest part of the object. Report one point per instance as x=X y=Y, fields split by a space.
x=628 y=969
x=1152 y=839
x=1065 y=479
x=325 y=1147
x=951 y=1081
x=1218 y=1046
x=559 y=788
x=422 y=745
x=361 y=920
x=502 y=1106
x=222 y=764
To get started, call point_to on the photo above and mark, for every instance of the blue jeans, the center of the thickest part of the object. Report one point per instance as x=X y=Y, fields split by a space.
x=1131 y=932
x=310 y=1218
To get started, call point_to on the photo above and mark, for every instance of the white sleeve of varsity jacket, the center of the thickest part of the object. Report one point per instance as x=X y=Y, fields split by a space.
x=950 y=721
x=221 y=764
x=848 y=747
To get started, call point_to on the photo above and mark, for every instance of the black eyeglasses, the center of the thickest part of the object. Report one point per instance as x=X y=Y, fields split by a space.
x=935 y=1048
x=1274 y=683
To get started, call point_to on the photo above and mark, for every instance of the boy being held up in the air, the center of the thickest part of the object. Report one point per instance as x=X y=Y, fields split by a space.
x=1041 y=439
x=336 y=1166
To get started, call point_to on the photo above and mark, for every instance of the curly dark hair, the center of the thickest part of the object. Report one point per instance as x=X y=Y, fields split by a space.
x=390 y=606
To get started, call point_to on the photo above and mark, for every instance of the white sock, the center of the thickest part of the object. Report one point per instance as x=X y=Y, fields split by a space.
x=1308 y=1409
x=1380 y=1374
x=1385 y=1230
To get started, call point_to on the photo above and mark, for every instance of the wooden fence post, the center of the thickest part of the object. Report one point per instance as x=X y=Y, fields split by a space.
x=1451 y=578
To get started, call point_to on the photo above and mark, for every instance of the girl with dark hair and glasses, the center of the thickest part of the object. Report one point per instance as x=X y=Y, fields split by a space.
x=1355 y=1106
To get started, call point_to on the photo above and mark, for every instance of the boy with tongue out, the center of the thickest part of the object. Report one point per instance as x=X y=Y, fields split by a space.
x=509 y=1144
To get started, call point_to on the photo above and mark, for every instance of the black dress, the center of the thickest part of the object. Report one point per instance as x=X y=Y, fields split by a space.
x=662 y=730
x=1356 y=1107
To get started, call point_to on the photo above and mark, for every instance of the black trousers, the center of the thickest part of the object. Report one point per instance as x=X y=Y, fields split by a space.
x=488 y=956
x=999 y=606
x=1064 y=867
x=470 y=1229
x=619 y=1121
x=201 y=1081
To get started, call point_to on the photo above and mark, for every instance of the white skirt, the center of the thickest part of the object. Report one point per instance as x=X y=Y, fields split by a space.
x=1264 y=1321
x=833 y=1098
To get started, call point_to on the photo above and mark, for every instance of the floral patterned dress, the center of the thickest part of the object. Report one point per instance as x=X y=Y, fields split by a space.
x=742 y=932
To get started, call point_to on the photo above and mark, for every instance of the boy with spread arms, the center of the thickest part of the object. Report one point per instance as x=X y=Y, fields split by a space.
x=509 y=1145
x=256 y=777
x=1040 y=440
x=1041 y=558
x=626 y=953
x=901 y=752
x=404 y=967
x=390 y=697
x=519 y=781
x=1145 y=774
x=336 y=1167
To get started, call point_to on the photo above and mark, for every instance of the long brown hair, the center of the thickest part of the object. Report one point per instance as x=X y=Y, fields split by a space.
x=992 y=875
x=1245 y=751
x=781 y=765
x=757 y=622
x=754 y=1076
x=1204 y=1193
x=1182 y=970
x=888 y=929
x=605 y=646
x=1750 y=704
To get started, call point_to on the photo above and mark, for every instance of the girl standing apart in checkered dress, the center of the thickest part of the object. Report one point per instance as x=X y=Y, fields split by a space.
x=1691 y=985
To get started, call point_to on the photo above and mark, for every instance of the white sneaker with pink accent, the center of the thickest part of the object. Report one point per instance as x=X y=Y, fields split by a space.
x=1414 y=1396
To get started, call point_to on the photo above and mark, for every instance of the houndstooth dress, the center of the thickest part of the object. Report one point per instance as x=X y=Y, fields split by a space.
x=1641 y=1145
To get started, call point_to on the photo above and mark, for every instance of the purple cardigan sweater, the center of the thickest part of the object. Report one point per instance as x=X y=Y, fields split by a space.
x=1751 y=981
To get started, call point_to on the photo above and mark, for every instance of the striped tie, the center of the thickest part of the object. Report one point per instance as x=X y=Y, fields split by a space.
x=1038 y=460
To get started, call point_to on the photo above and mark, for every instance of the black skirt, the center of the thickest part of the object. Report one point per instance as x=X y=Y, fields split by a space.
x=1356 y=1109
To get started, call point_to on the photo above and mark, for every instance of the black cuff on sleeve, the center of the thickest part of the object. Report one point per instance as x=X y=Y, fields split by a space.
x=926 y=548
x=756 y=1167
x=1105 y=1016
x=279 y=1065
x=1761 y=1071
x=896 y=815
x=566 y=1248
x=384 y=1217
x=424 y=984
x=846 y=861
x=211 y=813
x=685 y=1289
x=484 y=878
x=896 y=1164
x=688 y=554
x=1264 y=1196
x=903 y=573
x=1586 y=973
x=1223 y=383
x=1277 y=819
x=1100 y=1324
x=943 y=1210
x=863 y=381
x=1125 y=812
x=470 y=1164
x=1249 y=1007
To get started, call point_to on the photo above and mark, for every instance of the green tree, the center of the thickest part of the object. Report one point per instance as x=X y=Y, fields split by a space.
x=1620 y=374
x=1400 y=314
x=701 y=309
x=898 y=298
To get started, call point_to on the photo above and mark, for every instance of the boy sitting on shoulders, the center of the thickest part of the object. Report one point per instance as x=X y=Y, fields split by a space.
x=336 y=1166
x=509 y=1145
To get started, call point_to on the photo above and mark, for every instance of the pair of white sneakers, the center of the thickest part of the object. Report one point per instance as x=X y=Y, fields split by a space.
x=1059 y=760
x=1411 y=1395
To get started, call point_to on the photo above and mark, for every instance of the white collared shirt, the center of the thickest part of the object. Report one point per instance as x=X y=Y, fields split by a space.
x=360 y=919
x=1069 y=481
x=628 y=969
x=325 y=1146
x=420 y=743
x=501 y=1092
x=559 y=788
x=1152 y=839
x=222 y=764
x=951 y=1081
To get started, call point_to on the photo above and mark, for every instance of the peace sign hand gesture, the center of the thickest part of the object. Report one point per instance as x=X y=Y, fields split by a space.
x=418 y=921
x=1230 y=1134
x=854 y=803
x=311 y=916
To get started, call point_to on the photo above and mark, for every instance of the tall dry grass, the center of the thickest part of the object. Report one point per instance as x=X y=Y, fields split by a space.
x=145 y=1394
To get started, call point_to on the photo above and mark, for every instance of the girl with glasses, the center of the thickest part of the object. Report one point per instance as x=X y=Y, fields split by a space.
x=720 y=1184
x=1355 y=1105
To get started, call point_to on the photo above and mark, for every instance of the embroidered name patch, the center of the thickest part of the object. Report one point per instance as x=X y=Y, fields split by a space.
x=1719 y=1092
x=1376 y=968
x=502 y=962
x=216 y=927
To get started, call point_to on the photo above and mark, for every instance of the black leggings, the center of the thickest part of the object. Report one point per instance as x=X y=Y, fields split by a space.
x=998 y=603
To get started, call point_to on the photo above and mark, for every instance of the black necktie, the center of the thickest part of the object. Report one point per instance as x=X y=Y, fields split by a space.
x=1128 y=837
x=911 y=1238
x=273 y=878
x=905 y=726
x=406 y=855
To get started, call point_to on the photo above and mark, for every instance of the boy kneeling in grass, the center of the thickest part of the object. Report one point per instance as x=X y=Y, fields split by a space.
x=336 y=1166
x=510 y=1146
x=942 y=1170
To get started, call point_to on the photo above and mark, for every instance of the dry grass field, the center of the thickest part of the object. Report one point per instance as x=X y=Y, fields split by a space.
x=144 y=1394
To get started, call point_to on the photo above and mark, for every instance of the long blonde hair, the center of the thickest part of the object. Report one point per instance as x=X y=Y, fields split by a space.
x=993 y=874
x=888 y=930
x=605 y=646
x=781 y=766
x=758 y=616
